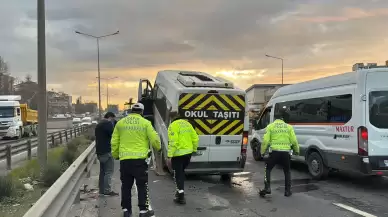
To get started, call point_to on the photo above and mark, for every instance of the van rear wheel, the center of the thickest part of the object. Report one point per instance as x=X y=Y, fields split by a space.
x=317 y=169
x=226 y=177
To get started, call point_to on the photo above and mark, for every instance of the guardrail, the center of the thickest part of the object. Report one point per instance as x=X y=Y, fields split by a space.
x=59 y=198
x=13 y=148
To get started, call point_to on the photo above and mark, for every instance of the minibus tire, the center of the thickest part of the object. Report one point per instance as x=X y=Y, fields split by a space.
x=314 y=160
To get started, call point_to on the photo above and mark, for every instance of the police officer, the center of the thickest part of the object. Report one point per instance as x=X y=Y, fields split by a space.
x=130 y=143
x=183 y=141
x=282 y=140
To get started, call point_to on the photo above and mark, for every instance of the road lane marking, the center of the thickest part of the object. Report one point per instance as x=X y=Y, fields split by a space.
x=357 y=211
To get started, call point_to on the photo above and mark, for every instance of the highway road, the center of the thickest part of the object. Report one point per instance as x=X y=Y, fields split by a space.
x=342 y=195
x=56 y=125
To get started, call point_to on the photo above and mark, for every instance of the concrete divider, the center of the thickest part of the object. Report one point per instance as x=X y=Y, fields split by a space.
x=59 y=123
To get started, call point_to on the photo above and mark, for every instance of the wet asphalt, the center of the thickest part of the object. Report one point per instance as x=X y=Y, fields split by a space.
x=208 y=196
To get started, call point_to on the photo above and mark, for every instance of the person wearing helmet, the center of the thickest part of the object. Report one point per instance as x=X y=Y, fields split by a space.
x=130 y=143
x=182 y=142
x=280 y=138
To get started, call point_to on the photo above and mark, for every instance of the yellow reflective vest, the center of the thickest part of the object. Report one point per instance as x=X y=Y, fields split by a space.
x=132 y=136
x=281 y=137
x=182 y=138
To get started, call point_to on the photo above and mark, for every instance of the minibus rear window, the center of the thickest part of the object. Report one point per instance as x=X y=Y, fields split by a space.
x=378 y=109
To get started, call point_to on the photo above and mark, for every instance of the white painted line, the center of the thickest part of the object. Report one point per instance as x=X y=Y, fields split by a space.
x=359 y=212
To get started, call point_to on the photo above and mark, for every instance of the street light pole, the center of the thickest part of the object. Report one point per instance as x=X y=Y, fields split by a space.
x=282 y=64
x=98 y=64
x=42 y=94
x=107 y=89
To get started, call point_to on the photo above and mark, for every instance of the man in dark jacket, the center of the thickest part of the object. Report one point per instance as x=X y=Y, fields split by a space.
x=103 y=133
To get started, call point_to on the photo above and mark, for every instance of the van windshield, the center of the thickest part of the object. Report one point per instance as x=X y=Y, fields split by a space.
x=7 y=112
x=378 y=109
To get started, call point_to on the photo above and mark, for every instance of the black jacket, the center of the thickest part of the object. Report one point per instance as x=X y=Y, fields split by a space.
x=103 y=133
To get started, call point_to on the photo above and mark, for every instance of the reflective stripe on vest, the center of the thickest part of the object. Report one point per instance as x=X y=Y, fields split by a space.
x=132 y=154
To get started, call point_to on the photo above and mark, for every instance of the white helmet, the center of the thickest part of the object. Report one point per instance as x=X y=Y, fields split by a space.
x=138 y=106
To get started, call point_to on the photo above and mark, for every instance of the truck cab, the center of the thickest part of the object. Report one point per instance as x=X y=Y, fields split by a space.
x=16 y=120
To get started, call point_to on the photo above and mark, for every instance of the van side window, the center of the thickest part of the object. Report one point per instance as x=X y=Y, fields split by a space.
x=264 y=119
x=330 y=109
x=160 y=103
x=378 y=109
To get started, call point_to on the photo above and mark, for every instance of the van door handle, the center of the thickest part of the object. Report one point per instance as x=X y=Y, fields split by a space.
x=218 y=140
x=201 y=148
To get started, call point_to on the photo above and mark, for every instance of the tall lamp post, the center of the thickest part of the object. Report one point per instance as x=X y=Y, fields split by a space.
x=98 y=64
x=278 y=59
x=107 y=89
x=42 y=94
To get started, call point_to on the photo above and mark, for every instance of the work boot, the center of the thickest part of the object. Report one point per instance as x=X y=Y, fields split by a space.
x=127 y=214
x=146 y=213
x=265 y=191
x=180 y=198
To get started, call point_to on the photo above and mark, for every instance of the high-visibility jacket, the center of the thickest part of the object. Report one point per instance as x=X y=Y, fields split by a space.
x=132 y=136
x=281 y=137
x=182 y=138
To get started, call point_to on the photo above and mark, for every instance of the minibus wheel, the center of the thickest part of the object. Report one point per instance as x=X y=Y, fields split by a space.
x=317 y=169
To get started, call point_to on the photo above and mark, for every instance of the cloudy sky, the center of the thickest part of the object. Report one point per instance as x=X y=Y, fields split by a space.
x=228 y=38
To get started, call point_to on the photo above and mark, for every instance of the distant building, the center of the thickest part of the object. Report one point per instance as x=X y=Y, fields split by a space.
x=113 y=108
x=91 y=107
x=58 y=103
x=82 y=108
x=6 y=84
x=259 y=94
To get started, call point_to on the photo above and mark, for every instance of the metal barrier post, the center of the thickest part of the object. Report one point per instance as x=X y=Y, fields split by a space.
x=29 y=149
x=66 y=136
x=9 y=157
x=71 y=133
x=60 y=138
x=52 y=140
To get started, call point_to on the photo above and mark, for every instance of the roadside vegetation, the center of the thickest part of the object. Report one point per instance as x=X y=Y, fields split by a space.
x=23 y=186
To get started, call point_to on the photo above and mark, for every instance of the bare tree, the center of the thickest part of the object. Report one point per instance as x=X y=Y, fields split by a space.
x=28 y=78
x=4 y=68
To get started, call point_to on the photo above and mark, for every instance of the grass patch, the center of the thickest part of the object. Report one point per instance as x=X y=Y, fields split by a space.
x=15 y=200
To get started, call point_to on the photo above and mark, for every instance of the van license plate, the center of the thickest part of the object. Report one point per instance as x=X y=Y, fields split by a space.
x=386 y=163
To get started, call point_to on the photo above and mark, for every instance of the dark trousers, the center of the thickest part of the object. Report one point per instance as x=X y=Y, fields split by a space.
x=131 y=170
x=282 y=158
x=179 y=165
x=106 y=171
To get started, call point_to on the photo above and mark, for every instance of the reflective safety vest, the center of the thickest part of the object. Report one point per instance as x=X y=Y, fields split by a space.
x=281 y=137
x=182 y=138
x=132 y=136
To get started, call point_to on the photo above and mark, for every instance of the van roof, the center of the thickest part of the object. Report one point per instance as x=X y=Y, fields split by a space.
x=325 y=82
x=196 y=79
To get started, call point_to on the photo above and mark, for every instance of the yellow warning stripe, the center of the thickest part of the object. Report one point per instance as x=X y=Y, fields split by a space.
x=239 y=100
x=207 y=101
x=230 y=102
x=185 y=98
x=228 y=127
x=194 y=101
x=238 y=129
x=203 y=125
x=219 y=103
x=222 y=123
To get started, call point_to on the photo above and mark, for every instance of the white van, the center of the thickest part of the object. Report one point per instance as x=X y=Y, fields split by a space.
x=341 y=121
x=215 y=108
